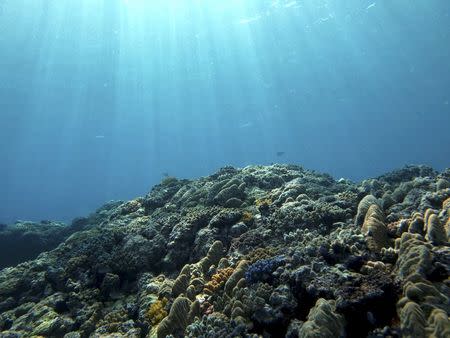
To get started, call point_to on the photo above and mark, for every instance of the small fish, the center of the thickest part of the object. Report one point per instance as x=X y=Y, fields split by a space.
x=249 y=20
x=371 y=6
x=100 y=136
x=290 y=4
x=280 y=153
x=245 y=125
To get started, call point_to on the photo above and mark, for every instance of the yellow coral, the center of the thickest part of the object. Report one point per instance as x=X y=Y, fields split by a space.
x=261 y=253
x=246 y=217
x=263 y=202
x=218 y=280
x=157 y=311
x=446 y=204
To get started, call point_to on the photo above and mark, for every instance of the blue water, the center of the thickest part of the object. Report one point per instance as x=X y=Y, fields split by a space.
x=100 y=98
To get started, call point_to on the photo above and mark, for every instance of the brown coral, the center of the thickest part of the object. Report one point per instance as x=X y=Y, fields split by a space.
x=247 y=217
x=180 y=285
x=261 y=253
x=363 y=208
x=435 y=230
x=416 y=225
x=438 y=324
x=218 y=280
x=374 y=229
x=413 y=322
x=177 y=319
x=157 y=311
x=236 y=276
x=215 y=253
x=263 y=202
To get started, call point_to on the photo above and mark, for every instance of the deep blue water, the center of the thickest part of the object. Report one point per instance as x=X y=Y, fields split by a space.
x=100 y=98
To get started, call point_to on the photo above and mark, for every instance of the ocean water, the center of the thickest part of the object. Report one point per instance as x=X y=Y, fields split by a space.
x=100 y=99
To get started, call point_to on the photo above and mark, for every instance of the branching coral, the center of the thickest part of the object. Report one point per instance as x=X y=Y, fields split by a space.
x=247 y=217
x=157 y=311
x=261 y=271
x=263 y=202
x=260 y=253
x=218 y=280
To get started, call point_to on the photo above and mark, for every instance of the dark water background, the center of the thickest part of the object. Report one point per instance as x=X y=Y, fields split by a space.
x=100 y=98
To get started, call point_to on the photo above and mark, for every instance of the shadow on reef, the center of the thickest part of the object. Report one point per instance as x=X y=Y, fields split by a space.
x=262 y=251
x=23 y=241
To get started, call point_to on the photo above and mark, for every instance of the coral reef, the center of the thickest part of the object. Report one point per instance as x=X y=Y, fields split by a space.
x=261 y=251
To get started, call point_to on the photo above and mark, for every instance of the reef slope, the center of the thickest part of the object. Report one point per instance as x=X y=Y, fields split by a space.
x=269 y=251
